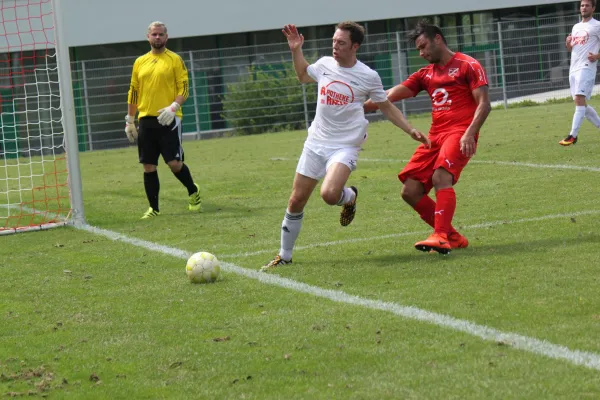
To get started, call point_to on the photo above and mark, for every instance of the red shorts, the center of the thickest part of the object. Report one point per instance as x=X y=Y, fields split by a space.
x=444 y=153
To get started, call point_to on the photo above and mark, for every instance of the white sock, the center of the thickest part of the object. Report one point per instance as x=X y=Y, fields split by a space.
x=290 y=229
x=592 y=116
x=577 y=120
x=348 y=196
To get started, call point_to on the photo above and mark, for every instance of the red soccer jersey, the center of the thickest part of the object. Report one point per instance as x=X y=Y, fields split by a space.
x=450 y=87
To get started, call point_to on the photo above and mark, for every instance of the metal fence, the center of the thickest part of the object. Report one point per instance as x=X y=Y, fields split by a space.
x=253 y=89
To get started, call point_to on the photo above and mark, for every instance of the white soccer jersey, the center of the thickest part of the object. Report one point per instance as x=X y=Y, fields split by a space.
x=340 y=119
x=585 y=39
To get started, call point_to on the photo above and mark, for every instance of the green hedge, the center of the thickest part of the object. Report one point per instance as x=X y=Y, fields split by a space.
x=267 y=99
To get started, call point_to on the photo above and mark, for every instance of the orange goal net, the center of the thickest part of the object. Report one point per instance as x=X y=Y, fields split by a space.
x=34 y=188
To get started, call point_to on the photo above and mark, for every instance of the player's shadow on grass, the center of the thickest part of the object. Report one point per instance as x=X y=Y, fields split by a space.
x=528 y=246
x=226 y=212
x=170 y=201
x=476 y=250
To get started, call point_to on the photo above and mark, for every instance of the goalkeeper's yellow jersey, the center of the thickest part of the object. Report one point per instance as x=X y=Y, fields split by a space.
x=155 y=82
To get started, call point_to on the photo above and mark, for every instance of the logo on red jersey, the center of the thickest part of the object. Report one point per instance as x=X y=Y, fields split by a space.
x=439 y=97
x=453 y=72
x=337 y=94
x=580 y=37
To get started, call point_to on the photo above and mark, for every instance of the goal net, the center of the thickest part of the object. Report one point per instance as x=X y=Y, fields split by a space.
x=34 y=180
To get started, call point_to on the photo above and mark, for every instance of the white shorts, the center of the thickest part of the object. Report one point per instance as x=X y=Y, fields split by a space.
x=582 y=83
x=315 y=161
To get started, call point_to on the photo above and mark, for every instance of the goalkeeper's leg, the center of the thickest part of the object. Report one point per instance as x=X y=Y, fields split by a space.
x=148 y=152
x=152 y=187
x=172 y=151
x=182 y=172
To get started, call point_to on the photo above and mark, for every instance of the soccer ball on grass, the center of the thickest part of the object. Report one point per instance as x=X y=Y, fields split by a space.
x=203 y=267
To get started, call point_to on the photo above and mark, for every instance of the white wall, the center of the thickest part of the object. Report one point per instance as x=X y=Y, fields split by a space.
x=90 y=22
x=109 y=21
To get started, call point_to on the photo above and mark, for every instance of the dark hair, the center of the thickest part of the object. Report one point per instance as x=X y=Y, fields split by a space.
x=591 y=1
x=357 y=32
x=424 y=27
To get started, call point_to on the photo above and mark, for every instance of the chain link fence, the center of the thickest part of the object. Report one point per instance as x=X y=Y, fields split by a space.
x=247 y=90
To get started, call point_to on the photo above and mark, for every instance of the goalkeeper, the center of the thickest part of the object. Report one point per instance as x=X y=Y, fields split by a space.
x=159 y=86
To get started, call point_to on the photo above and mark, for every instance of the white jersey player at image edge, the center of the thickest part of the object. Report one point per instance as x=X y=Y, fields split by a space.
x=584 y=44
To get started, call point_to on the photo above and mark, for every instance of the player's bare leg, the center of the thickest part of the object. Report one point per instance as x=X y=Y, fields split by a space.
x=412 y=192
x=292 y=221
x=334 y=192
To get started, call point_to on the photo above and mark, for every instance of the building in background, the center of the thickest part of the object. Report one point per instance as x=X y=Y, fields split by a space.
x=520 y=42
x=113 y=28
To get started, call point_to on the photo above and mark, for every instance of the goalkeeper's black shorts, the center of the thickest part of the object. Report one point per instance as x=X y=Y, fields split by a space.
x=155 y=139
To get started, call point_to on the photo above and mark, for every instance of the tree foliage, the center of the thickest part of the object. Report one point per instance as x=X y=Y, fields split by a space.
x=267 y=98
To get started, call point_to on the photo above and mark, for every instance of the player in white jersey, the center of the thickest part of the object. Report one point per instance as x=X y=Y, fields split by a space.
x=338 y=130
x=584 y=44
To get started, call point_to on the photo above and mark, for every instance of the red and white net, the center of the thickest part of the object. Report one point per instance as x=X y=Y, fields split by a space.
x=34 y=191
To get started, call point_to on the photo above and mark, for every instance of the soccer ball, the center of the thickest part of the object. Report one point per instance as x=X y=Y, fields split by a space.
x=203 y=267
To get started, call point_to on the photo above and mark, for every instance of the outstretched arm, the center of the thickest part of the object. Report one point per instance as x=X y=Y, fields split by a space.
x=295 y=41
x=392 y=113
x=397 y=93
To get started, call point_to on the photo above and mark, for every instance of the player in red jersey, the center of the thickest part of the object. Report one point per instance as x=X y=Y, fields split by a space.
x=458 y=87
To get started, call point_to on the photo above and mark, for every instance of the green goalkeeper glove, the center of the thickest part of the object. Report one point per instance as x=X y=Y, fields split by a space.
x=167 y=115
x=130 y=129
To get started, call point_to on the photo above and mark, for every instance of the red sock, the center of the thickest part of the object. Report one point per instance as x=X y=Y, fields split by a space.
x=444 y=210
x=426 y=209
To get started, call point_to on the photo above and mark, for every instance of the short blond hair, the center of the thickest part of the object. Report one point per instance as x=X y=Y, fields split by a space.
x=156 y=24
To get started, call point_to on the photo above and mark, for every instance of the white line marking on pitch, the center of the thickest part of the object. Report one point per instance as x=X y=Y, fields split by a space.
x=542 y=347
x=509 y=163
x=526 y=343
x=397 y=235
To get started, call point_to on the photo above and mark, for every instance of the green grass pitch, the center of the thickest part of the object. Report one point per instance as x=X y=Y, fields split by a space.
x=83 y=316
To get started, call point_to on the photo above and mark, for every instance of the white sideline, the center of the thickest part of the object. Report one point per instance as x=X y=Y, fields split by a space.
x=536 y=346
x=397 y=235
x=546 y=166
x=508 y=163
x=532 y=345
